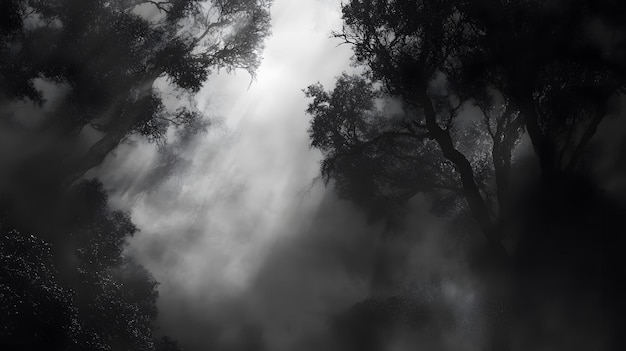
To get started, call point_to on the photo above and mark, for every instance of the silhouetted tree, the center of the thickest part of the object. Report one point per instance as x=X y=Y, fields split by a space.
x=117 y=64
x=115 y=297
x=433 y=62
x=449 y=91
x=92 y=74
x=76 y=291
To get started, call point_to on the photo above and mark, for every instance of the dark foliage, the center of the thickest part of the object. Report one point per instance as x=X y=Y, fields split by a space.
x=77 y=78
x=115 y=63
x=75 y=290
x=468 y=81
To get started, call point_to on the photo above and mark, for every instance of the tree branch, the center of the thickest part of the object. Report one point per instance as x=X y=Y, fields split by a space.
x=208 y=28
x=471 y=190
x=542 y=147
x=159 y=5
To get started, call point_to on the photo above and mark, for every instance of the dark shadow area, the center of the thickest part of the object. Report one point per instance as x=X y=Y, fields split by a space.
x=478 y=161
x=70 y=287
x=78 y=79
x=492 y=108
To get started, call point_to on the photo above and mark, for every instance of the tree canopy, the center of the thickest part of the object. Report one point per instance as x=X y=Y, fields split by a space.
x=450 y=89
x=492 y=108
x=115 y=62
x=70 y=287
x=77 y=78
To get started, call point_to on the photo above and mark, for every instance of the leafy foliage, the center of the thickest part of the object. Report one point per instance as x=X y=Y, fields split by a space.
x=448 y=61
x=471 y=80
x=80 y=292
x=35 y=307
x=372 y=157
x=117 y=62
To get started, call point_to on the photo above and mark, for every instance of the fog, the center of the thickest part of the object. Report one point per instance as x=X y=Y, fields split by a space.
x=241 y=234
x=253 y=246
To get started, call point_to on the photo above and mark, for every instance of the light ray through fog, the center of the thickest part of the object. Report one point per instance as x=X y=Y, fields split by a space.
x=231 y=237
x=484 y=195
x=208 y=229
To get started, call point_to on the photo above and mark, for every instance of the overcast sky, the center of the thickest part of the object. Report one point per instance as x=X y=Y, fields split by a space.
x=233 y=229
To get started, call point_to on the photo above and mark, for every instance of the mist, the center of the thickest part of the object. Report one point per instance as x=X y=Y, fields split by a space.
x=243 y=238
x=227 y=221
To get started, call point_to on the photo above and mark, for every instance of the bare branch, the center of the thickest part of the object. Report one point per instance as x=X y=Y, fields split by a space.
x=471 y=190
x=159 y=5
x=208 y=29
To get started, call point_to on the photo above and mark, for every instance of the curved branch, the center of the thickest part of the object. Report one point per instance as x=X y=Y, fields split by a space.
x=471 y=190
x=207 y=30
x=159 y=5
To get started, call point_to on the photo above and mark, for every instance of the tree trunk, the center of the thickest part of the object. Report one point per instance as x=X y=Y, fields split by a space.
x=126 y=117
x=543 y=148
x=471 y=191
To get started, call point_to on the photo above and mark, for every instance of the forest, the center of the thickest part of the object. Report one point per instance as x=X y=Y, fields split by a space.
x=499 y=123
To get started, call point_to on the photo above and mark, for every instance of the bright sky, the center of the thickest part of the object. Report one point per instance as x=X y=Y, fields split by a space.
x=251 y=168
x=206 y=231
x=246 y=176
x=234 y=236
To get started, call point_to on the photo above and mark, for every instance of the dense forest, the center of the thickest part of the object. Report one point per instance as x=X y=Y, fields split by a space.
x=492 y=108
x=505 y=116
x=65 y=283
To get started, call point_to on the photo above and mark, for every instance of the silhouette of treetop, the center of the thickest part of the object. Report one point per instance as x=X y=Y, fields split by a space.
x=449 y=90
x=115 y=64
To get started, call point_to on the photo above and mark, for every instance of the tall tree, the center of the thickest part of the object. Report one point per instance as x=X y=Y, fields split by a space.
x=35 y=307
x=110 y=56
x=541 y=70
x=450 y=90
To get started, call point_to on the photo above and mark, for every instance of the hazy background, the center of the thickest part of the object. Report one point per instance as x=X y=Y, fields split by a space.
x=251 y=250
x=246 y=247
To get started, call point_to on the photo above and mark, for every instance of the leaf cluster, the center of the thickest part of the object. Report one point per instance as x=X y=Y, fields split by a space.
x=76 y=290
